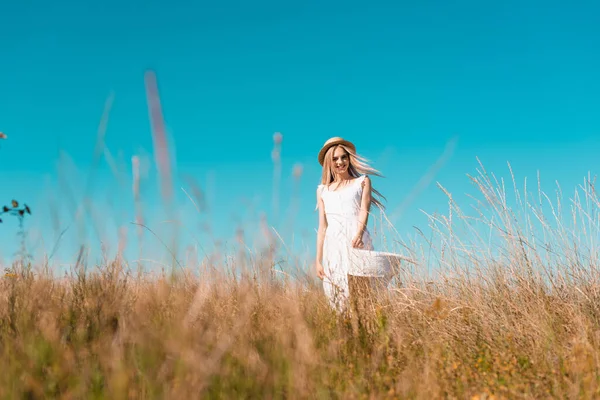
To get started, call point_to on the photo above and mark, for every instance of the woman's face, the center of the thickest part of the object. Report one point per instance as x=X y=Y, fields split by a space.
x=341 y=160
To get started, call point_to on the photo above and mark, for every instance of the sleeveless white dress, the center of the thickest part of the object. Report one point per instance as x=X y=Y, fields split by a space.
x=342 y=207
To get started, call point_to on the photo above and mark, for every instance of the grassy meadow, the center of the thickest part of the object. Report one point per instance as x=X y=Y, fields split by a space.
x=512 y=311
x=503 y=302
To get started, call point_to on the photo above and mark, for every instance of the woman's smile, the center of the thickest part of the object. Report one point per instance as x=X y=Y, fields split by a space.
x=341 y=160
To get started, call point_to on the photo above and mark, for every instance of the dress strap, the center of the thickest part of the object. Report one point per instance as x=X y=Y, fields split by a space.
x=320 y=189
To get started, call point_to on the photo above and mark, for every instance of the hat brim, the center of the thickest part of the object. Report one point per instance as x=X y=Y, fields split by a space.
x=332 y=144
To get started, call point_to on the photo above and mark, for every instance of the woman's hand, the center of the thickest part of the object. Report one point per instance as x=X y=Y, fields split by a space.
x=357 y=242
x=320 y=270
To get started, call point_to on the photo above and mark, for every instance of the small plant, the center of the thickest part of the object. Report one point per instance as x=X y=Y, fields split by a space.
x=20 y=213
x=16 y=211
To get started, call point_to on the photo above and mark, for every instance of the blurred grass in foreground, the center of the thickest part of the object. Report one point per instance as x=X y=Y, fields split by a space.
x=505 y=303
x=512 y=312
x=110 y=335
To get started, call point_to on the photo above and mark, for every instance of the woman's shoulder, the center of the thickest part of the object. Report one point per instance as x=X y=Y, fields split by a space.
x=364 y=181
x=320 y=188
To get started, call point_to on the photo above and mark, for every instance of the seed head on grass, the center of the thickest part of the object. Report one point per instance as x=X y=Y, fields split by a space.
x=15 y=210
x=161 y=149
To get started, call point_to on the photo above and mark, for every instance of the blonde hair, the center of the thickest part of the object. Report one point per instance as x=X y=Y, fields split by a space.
x=357 y=166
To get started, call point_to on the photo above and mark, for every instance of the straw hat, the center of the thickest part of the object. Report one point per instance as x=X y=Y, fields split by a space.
x=334 y=141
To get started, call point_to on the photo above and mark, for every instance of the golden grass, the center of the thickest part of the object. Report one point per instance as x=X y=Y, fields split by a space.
x=512 y=311
x=109 y=335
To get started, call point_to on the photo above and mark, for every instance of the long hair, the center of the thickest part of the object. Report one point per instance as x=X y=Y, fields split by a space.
x=357 y=166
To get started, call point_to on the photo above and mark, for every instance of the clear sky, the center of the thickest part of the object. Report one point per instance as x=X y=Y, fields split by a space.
x=512 y=81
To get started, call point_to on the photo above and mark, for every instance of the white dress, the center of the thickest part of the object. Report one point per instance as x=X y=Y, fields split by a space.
x=342 y=207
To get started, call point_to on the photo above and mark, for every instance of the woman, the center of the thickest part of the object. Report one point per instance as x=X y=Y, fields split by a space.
x=344 y=199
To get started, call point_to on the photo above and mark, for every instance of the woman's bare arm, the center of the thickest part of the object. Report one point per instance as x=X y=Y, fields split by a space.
x=322 y=227
x=365 y=206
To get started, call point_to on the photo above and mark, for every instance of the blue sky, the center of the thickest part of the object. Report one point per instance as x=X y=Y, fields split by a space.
x=514 y=82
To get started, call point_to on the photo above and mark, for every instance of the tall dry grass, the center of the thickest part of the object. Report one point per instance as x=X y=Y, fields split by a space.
x=509 y=308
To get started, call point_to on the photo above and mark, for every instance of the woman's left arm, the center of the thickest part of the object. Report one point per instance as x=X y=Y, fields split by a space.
x=363 y=215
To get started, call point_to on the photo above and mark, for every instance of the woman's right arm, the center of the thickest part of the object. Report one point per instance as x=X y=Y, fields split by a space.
x=320 y=233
